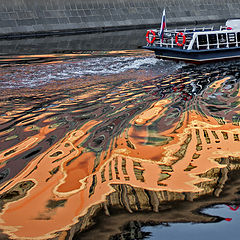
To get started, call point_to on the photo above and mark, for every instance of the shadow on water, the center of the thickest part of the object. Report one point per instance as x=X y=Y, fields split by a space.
x=116 y=138
x=107 y=41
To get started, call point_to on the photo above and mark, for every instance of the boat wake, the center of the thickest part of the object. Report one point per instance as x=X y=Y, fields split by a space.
x=34 y=74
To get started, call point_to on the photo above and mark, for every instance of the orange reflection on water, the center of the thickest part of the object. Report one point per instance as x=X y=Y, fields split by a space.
x=81 y=188
x=73 y=174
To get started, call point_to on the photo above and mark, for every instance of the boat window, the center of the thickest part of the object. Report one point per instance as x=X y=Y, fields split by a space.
x=194 y=47
x=212 y=38
x=202 y=41
x=222 y=38
x=231 y=39
x=238 y=37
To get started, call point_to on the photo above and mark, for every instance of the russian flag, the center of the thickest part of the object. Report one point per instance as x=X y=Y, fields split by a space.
x=163 y=25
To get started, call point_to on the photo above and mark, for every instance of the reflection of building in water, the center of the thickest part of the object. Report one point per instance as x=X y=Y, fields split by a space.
x=187 y=167
x=169 y=210
x=160 y=155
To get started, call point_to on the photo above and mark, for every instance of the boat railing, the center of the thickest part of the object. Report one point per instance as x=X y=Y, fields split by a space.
x=169 y=39
x=215 y=40
x=194 y=29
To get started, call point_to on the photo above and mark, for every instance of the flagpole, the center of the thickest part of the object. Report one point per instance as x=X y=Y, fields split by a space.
x=163 y=25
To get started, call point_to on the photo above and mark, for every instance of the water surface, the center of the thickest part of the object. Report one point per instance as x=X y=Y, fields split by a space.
x=116 y=133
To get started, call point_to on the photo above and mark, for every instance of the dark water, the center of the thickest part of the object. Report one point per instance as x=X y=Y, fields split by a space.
x=73 y=43
x=115 y=144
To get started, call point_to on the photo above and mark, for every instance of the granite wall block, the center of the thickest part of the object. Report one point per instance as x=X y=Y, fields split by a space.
x=30 y=16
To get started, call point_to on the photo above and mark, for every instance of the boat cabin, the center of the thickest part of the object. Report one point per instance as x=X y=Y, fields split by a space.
x=202 y=38
x=196 y=45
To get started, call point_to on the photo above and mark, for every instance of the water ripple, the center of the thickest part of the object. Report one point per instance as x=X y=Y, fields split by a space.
x=115 y=126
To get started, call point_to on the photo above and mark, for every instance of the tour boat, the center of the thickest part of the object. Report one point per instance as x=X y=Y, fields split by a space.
x=198 y=44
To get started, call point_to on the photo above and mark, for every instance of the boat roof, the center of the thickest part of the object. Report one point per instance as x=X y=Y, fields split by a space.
x=203 y=32
x=233 y=23
x=216 y=31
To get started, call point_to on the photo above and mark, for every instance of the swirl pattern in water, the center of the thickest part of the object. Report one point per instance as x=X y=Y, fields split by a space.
x=82 y=134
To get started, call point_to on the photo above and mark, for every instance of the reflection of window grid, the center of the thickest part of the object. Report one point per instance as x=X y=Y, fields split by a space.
x=124 y=169
x=215 y=134
x=236 y=137
x=103 y=174
x=199 y=141
x=206 y=136
x=92 y=188
x=225 y=135
x=110 y=171
x=116 y=169
x=138 y=171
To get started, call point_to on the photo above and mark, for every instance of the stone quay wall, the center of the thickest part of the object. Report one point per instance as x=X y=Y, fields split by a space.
x=23 y=17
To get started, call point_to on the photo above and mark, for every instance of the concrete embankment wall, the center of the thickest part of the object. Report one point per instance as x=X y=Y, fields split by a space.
x=49 y=16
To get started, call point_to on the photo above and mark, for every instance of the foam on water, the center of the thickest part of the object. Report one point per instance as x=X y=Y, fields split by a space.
x=34 y=75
